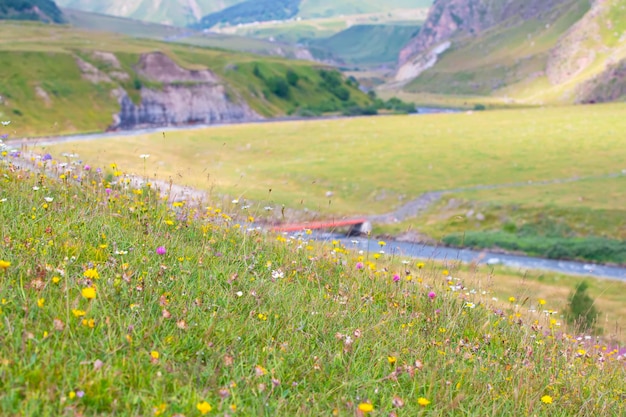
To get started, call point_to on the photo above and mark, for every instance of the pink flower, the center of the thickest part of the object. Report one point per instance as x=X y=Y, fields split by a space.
x=161 y=250
x=396 y=278
x=87 y=168
x=359 y=265
x=432 y=295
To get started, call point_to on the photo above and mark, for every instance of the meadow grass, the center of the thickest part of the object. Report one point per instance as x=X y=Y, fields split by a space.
x=373 y=165
x=113 y=302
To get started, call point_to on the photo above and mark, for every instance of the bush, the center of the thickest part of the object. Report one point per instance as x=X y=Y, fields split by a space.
x=278 y=86
x=292 y=78
x=479 y=107
x=581 y=311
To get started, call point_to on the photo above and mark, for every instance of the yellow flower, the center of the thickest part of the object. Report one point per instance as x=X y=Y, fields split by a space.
x=542 y=301
x=41 y=302
x=72 y=395
x=4 y=264
x=391 y=359
x=382 y=243
x=78 y=313
x=91 y=273
x=204 y=407
x=512 y=299
x=154 y=354
x=423 y=401
x=446 y=272
x=89 y=293
x=420 y=265
x=366 y=407
x=546 y=399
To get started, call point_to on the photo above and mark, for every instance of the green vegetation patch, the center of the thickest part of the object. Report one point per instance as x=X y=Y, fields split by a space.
x=115 y=303
x=368 y=44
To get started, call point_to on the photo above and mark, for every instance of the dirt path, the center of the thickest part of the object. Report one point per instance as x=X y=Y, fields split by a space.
x=414 y=207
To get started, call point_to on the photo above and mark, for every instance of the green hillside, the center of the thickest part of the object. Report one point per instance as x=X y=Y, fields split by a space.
x=368 y=44
x=327 y=8
x=142 y=29
x=571 y=55
x=114 y=303
x=43 y=10
x=45 y=92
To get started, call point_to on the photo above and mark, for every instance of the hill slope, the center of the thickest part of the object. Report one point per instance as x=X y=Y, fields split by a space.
x=368 y=44
x=185 y=12
x=65 y=84
x=43 y=10
x=559 y=51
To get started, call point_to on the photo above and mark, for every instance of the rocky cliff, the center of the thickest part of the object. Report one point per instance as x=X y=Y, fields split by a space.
x=452 y=20
x=177 y=96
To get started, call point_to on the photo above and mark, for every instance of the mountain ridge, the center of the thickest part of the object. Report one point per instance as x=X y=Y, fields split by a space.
x=532 y=52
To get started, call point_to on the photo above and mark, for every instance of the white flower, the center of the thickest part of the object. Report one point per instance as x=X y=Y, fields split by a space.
x=48 y=199
x=2 y=200
x=277 y=274
x=6 y=123
x=144 y=156
x=35 y=188
x=235 y=201
x=470 y=305
x=268 y=208
x=239 y=293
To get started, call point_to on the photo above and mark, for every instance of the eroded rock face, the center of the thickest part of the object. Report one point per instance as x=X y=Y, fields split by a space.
x=180 y=105
x=610 y=85
x=159 y=67
x=449 y=20
x=186 y=97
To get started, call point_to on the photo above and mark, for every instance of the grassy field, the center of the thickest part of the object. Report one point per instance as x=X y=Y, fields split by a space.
x=44 y=93
x=113 y=303
x=373 y=165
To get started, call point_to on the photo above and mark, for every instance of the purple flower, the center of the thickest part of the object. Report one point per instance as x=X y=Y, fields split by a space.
x=87 y=168
x=359 y=265
x=161 y=250
x=108 y=191
x=396 y=278
x=46 y=157
x=15 y=154
x=80 y=394
x=432 y=295
x=3 y=137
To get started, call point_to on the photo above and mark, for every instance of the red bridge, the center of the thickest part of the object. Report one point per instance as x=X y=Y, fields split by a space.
x=357 y=226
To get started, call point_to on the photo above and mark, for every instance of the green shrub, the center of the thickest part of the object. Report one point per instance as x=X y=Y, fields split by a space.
x=278 y=86
x=581 y=311
x=292 y=78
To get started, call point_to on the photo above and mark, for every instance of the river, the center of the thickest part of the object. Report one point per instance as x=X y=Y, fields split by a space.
x=519 y=262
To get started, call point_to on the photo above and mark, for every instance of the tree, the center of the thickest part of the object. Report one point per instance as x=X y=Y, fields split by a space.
x=581 y=311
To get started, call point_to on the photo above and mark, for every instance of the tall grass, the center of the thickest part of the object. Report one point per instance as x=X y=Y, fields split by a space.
x=114 y=302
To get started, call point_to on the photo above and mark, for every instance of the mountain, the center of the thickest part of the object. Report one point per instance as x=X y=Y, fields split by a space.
x=173 y=12
x=42 y=10
x=531 y=51
x=252 y=11
x=189 y=12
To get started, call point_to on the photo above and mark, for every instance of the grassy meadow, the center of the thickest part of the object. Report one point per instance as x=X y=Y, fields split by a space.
x=113 y=302
x=374 y=165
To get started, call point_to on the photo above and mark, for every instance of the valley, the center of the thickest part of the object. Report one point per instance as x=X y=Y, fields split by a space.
x=162 y=162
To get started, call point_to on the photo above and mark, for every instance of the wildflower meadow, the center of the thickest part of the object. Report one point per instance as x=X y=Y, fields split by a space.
x=117 y=300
